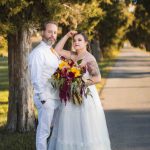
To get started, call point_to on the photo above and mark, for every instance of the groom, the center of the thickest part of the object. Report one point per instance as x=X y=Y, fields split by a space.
x=42 y=64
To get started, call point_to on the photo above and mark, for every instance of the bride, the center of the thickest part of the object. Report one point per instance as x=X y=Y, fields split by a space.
x=80 y=127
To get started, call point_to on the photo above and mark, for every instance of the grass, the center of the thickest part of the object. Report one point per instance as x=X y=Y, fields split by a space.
x=105 y=68
x=26 y=141
x=16 y=141
x=3 y=90
x=8 y=140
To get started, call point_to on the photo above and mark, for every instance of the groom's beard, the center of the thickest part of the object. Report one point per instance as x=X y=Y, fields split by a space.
x=49 y=41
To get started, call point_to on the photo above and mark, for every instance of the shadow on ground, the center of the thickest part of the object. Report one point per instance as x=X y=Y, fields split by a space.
x=129 y=130
x=131 y=67
x=128 y=74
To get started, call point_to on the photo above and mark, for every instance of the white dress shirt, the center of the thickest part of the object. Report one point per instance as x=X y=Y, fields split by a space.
x=42 y=64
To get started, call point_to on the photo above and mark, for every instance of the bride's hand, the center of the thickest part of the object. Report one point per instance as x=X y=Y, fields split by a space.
x=71 y=33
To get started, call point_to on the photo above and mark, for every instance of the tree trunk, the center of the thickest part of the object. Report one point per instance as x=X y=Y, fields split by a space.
x=147 y=46
x=96 y=50
x=21 y=109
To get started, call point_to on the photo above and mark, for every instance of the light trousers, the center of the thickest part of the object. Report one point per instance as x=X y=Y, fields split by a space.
x=46 y=116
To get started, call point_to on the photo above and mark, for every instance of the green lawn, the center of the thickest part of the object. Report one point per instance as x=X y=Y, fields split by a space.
x=25 y=141
x=10 y=141
x=105 y=67
x=3 y=90
x=16 y=141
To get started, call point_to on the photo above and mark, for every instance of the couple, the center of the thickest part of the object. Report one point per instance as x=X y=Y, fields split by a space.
x=75 y=127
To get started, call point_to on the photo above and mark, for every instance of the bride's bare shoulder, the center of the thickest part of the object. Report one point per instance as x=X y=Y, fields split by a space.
x=90 y=57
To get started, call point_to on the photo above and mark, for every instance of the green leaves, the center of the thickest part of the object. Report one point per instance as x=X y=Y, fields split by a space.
x=73 y=14
x=79 y=61
x=141 y=26
x=114 y=26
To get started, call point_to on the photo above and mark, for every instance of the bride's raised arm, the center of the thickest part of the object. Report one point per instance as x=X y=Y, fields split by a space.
x=60 y=45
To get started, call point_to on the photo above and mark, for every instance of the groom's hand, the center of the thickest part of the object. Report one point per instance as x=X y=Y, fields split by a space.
x=43 y=101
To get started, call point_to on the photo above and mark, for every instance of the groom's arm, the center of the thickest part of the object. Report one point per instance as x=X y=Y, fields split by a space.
x=36 y=63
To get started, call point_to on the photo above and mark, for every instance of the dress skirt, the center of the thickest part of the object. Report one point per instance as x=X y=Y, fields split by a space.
x=81 y=127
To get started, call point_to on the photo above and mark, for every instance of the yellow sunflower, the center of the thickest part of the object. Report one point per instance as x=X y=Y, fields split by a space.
x=76 y=71
x=63 y=64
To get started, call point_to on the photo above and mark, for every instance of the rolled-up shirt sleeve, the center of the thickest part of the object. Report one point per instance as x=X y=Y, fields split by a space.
x=36 y=63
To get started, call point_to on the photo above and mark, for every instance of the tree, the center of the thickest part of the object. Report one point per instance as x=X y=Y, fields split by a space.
x=139 y=33
x=21 y=17
x=112 y=29
x=83 y=16
x=3 y=46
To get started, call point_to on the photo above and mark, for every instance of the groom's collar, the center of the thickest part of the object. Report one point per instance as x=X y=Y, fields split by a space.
x=45 y=44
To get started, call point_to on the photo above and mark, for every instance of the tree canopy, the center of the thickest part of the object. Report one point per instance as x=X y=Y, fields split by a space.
x=139 y=31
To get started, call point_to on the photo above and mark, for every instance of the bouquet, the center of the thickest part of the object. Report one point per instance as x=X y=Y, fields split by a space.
x=68 y=80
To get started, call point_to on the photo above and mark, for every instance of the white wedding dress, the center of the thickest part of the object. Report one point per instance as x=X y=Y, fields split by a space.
x=81 y=127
